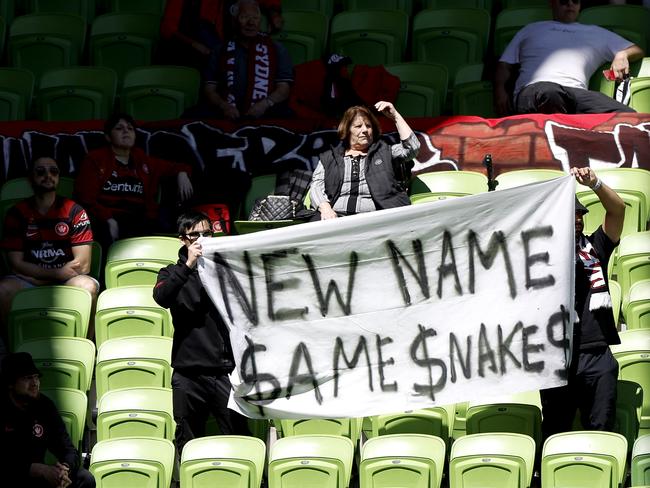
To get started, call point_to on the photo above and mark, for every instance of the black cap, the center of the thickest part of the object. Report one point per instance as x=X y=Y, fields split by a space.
x=16 y=365
x=580 y=207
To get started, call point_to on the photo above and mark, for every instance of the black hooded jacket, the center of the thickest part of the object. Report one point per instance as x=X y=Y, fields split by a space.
x=201 y=339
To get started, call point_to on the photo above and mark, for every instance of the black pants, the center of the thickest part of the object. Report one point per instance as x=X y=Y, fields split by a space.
x=551 y=98
x=591 y=388
x=195 y=397
x=83 y=479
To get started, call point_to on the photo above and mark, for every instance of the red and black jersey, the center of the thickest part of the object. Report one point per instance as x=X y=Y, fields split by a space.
x=46 y=240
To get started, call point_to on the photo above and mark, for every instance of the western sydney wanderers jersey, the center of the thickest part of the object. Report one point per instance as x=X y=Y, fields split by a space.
x=46 y=240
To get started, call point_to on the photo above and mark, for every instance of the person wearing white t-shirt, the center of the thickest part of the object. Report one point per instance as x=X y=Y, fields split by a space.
x=555 y=59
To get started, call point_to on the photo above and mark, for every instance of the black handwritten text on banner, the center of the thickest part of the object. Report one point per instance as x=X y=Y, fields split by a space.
x=399 y=309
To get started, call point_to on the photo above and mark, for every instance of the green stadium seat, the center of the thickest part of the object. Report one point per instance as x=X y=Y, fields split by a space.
x=641 y=461
x=370 y=37
x=159 y=92
x=123 y=41
x=632 y=263
x=629 y=21
x=494 y=460
x=469 y=73
x=635 y=209
x=445 y=184
x=510 y=21
x=524 y=3
x=16 y=91
x=227 y=460
x=453 y=37
x=41 y=42
x=437 y=421
x=83 y=8
x=474 y=98
x=640 y=94
x=633 y=356
x=135 y=412
x=511 y=179
x=324 y=6
x=130 y=362
x=402 y=5
x=629 y=403
x=304 y=34
x=350 y=428
x=423 y=88
x=414 y=460
x=64 y=362
x=127 y=311
x=519 y=414
x=615 y=294
x=72 y=406
x=3 y=36
x=137 y=260
x=76 y=93
x=7 y=10
x=432 y=4
x=156 y=7
x=310 y=460
x=637 y=312
x=49 y=311
x=584 y=459
x=135 y=462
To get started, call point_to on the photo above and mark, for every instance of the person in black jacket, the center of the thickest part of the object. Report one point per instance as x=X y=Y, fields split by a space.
x=31 y=425
x=201 y=353
x=363 y=173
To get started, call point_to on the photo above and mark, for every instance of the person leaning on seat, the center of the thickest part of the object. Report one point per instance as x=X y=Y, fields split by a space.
x=363 y=173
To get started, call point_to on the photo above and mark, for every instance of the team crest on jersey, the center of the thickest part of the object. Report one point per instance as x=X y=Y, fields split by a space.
x=37 y=430
x=61 y=228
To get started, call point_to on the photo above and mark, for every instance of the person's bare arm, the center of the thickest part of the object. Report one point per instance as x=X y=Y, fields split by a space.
x=622 y=59
x=82 y=258
x=37 y=275
x=502 y=75
x=613 y=204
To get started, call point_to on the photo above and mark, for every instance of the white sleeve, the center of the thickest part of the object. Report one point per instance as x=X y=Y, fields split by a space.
x=317 y=188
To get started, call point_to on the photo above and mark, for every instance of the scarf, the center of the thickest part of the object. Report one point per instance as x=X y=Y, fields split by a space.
x=260 y=64
x=598 y=286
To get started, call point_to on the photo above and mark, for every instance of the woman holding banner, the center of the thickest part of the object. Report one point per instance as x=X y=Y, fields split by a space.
x=363 y=173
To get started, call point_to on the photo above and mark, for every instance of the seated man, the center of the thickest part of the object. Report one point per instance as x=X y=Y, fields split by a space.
x=251 y=75
x=31 y=425
x=48 y=241
x=555 y=60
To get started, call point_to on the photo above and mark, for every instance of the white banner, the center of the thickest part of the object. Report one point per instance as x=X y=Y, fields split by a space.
x=400 y=309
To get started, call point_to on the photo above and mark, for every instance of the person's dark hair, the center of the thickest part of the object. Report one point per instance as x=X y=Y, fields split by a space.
x=350 y=114
x=189 y=219
x=114 y=119
x=32 y=163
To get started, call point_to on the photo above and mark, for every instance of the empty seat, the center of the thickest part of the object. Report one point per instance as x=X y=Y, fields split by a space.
x=350 y=428
x=474 y=98
x=310 y=460
x=629 y=403
x=633 y=263
x=615 y=294
x=227 y=460
x=453 y=37
x=77 y=93
x=72 y=406
x=371 y=37
x=137 y=260
x=16 y=91
x=589 y=459
x=414 y=460
x=510 y=21
x=123 y=41
x=640 y=94
x=156 y=7
x=134 y=462
x=633 y=356
x=40 y=42
x=628 y=21
x=135 y=412
x=423 y=88
x=485 y=4
x=403 y=5
x=83 y=8
x=324 y=6
x=494 y=460
x=130 y=362
x=445 y=184
x=637 y=312
x=436 y=421
x=130 y=311
x=641 y=461
x=65 y=362
x=511 y=179
x=304 y=34
x=159 y=92
x=49 y=311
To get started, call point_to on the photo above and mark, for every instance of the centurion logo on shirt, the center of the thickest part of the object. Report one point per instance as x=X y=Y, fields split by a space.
x=136 y=188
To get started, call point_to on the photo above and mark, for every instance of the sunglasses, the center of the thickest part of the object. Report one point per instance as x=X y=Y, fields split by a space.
x=566 y=2
x=192 y=236
x=43 y=170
